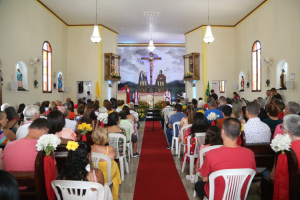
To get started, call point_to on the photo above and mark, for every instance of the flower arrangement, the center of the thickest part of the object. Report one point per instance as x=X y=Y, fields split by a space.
x=84 y=128
x=281 y=143
x=142 y=113
x=173 y=104
x=188 y=75
x=48 y=143
x=201 y=111
x=115 y=75
x=212 y=116
x=72 y=145
x=102 y=117
x=158 y=105
x=144 y=105
x=119 y=109
x=184 y=107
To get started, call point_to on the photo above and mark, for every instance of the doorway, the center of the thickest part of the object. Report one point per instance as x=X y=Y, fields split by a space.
x=219 y=87
x=82 y=88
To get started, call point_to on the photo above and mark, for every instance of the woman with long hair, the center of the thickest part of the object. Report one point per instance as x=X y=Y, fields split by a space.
x=52 y=107
x=212 y=137
x=107 y=105
x=78 y=166
x=189 y=119
x=89 y=117
x=5 y=134
x=114 y=104
x=20 y=111
x=128 y=114
x=237 y=111
x=13 y=123
x=57 y=122
x=200 y=125
x=100 y=139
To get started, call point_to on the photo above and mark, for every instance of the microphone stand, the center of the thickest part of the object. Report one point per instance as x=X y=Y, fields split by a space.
x=153 y=129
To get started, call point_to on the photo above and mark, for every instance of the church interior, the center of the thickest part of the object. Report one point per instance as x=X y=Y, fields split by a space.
x=153 y=56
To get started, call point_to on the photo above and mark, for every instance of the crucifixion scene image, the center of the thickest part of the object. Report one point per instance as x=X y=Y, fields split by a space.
x=152 y=72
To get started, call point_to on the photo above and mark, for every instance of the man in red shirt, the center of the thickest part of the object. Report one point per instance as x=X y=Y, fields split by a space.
x=230 y=156
x=128 y=91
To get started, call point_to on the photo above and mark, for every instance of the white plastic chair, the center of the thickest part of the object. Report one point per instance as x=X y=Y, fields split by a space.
x=202 y=160
x=166 y=112
x=95 y=161
x=234 y=181
x=181 y=135
x=74 y=190
x=134 y=125
x=129 y=145
x=195 y=155
x=116 y=137
x=174 y=137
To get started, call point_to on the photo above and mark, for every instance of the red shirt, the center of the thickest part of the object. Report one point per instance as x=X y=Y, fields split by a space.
x=206 y=105
x=280 y=115
x=71 y=115
x=296 y=147
x=226 y=158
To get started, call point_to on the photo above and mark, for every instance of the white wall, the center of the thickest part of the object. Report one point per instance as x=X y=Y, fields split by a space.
x=276 y=25
x=25 y=25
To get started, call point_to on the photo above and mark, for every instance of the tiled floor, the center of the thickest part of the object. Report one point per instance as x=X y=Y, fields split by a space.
x=127 y=186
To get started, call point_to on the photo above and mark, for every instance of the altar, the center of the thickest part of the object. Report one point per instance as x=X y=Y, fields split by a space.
x=148 y=98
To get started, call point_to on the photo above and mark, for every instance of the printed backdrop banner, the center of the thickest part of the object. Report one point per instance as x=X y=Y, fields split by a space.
x=133 y=69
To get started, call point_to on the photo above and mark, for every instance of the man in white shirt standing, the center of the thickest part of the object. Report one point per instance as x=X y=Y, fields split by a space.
x=167 y=95
x=255 y=130
x=165 y=112
x=183 y=95
x=89 y=96
x=136 y=97
x=68 y=123
x=30 y=114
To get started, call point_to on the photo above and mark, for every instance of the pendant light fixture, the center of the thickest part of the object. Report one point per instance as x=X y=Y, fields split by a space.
x=208 y=38
x=96 y=37
x=151 y=46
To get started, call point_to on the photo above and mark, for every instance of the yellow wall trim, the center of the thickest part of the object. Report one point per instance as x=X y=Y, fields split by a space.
x=100 y=79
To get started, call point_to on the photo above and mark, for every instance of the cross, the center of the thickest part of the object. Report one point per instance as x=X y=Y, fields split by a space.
x=151 y=58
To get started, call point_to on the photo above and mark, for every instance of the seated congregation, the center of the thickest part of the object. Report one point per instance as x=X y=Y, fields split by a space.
x=86 y=143
x=231 y=143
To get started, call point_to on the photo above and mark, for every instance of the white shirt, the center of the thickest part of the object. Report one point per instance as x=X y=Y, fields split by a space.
x=184 y=95
x=89 y=97
x=136 y=97
x=135 y=114
x=167 y=109
x=23 y=130
x=70 y=124
x=256 y=131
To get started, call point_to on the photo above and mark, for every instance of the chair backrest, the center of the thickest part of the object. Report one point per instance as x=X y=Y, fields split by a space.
x=113 y=141
x=176 y=124
x=184 y=128
x=202 y=151
x=129 y=130
x=78 y=190
x=96 y=157
x=200 y=139
x=234 y=181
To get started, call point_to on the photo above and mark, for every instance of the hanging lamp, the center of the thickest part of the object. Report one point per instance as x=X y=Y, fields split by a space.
x=208 y=38
x=151 y=46
x=96 y=37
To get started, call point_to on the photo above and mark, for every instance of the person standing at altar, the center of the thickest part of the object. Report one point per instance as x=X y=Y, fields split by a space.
x=161 y=82
x=128 y=91
x=167 y=95
x=136 y=97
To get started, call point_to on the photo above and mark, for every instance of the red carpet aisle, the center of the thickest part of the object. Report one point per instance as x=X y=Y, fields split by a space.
x=157 y=176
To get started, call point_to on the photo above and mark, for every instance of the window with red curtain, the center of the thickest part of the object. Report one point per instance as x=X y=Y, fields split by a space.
x=47 y=68
x=256 y=67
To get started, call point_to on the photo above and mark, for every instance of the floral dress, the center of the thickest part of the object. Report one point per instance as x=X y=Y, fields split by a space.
x=192 y=145
x=120 y=143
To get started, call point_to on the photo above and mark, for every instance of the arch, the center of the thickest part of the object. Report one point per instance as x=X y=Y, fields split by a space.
x=22 y=76
x=47 y=67
x=281 y=65
x=256 y=66
x=60 y=82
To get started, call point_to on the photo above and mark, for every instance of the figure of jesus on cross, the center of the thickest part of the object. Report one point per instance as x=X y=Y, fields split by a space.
x=151 y=58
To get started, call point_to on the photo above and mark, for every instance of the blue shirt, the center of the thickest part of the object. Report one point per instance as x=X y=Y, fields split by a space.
x=218 y=112
x=176 y=118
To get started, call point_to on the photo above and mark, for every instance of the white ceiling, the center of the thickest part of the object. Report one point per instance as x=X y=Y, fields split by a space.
x=127 y=16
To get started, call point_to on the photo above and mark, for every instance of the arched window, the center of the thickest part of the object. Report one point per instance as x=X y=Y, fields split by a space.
x=47 y=67
x=256 y=67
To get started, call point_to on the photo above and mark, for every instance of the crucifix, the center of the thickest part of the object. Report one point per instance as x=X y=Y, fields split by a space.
x=151 y=59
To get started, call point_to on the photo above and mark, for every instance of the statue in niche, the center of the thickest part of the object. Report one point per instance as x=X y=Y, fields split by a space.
x=242 y=84
x=191 y=68
x=60 y=82
x=20 y=80
x=112 y=67
x=282 y=80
